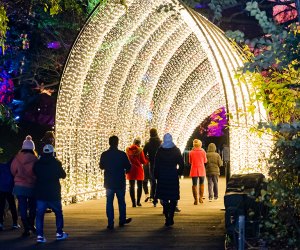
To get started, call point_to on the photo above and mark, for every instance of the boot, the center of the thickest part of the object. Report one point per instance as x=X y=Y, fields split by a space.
x=132 y=196
x=201 y=191
x=194 y=188
x=166 y=211
x=26 y=228
x=139 y=195
x=172 y=207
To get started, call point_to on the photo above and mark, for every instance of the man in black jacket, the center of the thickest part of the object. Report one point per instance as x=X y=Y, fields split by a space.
x=150 y=150
x=115 y=164
x=48 y=171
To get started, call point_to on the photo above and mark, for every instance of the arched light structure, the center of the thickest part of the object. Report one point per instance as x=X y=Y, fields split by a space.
x=146 y=67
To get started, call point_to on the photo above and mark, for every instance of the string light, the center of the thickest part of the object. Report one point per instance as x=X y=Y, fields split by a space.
x=130 y=71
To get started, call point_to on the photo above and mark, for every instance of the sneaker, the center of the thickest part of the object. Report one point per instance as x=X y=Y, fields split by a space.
x=110 y=227
x=139 y=204
x=40 y=239
x=16 y=226
x=61 y=236
x=216 y=198
x=128 y=220
x=146 y=200
x=210 y=199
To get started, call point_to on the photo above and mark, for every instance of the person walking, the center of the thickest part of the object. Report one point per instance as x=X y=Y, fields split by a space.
x=136 y=174
x=150 y=150
x=197 y=158
x=167 y=158
x=49 y=171
x=6 y=188
x=214 y=162
x=24 y=184
x=115 y=164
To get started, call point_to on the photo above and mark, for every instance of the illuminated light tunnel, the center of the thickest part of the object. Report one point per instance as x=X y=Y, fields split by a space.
x=129 y=71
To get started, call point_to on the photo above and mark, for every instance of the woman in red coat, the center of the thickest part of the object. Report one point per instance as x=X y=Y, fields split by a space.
x=197 y=158
x=137 y=159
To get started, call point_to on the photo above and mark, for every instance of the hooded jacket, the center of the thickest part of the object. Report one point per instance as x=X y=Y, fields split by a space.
x=214 y=161
x=137 y=159
x=167 y=174
x=48 y=171
x=22 y=169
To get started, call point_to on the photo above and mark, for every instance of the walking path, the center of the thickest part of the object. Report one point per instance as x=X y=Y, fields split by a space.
x=196 y=227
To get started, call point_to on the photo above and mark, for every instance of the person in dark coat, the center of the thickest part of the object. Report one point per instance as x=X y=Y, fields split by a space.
x=115 y=164
x=167 y=158
x=6 y=188
x=150 y=150
x=49 y=171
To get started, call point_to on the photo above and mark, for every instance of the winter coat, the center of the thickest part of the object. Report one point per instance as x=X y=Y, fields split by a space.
x=151 y=148
x=115 y=163
x=214 y=161
x=22 y=169
x=137 y=159
x=48 y=171
x=197 y=158
x=167 y=174
x=6 y=178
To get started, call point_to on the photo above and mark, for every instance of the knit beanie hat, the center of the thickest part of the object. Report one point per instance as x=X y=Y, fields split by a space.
x=28 y=143
x=153 y=132
x=168 y=141
x=197 y=143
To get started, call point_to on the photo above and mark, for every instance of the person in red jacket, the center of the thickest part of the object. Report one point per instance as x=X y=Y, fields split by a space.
x=136 y=174
x=24 y=180
x=197 y=158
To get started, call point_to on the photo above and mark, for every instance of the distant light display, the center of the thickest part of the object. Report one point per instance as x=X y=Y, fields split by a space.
x=6 y=88
x=218 y=123
x=132 y=70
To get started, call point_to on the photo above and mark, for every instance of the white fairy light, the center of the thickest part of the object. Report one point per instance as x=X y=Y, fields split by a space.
x=130 y=71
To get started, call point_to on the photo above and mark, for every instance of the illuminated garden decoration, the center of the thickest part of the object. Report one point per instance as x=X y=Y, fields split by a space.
x=218 y=123
x=154 y=65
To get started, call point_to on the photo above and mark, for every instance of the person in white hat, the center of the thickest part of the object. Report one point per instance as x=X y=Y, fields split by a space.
x=48 y=171
x=24 y=180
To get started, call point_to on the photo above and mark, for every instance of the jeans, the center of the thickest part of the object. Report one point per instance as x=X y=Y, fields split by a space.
x=212 y=186
x=56 y=208
x=110 y=195
x=9 y=197
x=27 y=203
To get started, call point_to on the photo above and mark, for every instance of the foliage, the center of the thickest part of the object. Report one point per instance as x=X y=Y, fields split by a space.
x=3 y=26
x=274 y=73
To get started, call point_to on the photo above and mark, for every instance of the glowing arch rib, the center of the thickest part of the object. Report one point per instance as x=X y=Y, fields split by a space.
x=145 y=68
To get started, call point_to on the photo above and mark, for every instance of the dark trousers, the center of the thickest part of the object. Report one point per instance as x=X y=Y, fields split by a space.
x=9 y=197
x=41 y=209
x=132 y=191
x=212 y=186
x=110 y=195
x=153 y=183
x=27 y=203
x=145 y=186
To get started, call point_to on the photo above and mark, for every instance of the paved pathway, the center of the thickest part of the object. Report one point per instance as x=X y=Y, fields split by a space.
x=196 y=227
